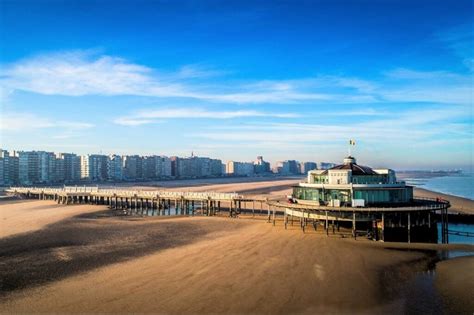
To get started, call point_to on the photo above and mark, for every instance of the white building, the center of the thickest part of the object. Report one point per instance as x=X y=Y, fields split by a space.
x=94 y=167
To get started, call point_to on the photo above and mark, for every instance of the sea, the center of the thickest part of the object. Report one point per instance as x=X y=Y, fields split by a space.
x=457 y=184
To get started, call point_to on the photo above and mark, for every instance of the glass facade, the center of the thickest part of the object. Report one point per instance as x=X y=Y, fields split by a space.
x=369 y=179
x=371 y=196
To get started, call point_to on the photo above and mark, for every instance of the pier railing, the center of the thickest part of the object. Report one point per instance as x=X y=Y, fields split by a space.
x=419 y=204
x=95 y=191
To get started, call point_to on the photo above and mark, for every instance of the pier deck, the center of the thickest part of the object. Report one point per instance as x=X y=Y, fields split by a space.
x=420 y=213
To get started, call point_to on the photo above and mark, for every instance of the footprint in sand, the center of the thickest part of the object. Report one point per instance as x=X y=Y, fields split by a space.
x=318 y=271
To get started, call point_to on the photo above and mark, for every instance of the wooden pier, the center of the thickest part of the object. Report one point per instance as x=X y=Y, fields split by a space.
x=416 y=218
x=155 y=202
x=418 y=215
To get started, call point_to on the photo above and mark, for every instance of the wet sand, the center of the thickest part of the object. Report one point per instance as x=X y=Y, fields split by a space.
x=450 y=275
x=458 y=204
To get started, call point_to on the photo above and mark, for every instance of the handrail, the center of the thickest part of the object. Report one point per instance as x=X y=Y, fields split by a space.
x=434 y=205
x=126 y=192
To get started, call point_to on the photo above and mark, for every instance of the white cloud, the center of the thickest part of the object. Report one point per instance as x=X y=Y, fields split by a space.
x=411 y=126
x=79 y=73
x=153 y=116
x=29 y=122
x=82 y=73
x=459 y=40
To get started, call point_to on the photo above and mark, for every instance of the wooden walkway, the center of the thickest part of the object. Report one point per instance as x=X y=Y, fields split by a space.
x=143 y=201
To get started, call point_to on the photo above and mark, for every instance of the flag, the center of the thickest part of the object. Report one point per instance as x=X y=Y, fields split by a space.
x=352 y=142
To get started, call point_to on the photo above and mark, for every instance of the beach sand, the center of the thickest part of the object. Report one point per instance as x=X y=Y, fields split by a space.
x=458 y=204
x=190 y=265
x=82 y=258
x=22 y=216
x=273 y=188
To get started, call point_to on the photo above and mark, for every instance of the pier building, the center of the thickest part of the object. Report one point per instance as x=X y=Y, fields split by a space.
x=370 y=201
x=350 y=184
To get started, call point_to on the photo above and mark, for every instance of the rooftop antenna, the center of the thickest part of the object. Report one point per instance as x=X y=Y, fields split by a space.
x=351 y=144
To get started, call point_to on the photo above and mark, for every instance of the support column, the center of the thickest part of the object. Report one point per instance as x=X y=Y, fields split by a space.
x=383 y=227
x=409 y=227
x=268 y=206
x=302 y=222
x=354 y=233
x=447 y=226
x=327 y=224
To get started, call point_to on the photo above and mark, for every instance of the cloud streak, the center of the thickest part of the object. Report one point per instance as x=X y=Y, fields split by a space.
x=29 y=122
x=156 y=116
x=82 y=73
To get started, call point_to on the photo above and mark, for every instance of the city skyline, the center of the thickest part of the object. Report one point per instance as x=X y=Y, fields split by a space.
x=236 y=80
x=42 y=167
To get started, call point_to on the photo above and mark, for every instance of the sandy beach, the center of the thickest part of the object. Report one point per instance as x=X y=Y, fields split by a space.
x=85 y=259
x=458 y=204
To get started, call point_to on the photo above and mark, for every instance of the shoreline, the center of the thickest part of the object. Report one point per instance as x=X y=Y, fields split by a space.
x=458 y=204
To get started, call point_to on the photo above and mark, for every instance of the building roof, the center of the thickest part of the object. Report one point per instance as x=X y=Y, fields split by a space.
x=350 y=164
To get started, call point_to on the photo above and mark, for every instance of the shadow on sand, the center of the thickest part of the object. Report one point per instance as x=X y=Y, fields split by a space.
x=85 y=242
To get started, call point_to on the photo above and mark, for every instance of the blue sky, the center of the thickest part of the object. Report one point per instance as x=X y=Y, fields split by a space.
x=237 y=79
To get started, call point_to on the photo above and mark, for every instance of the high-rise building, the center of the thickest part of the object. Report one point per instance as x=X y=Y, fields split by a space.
x=7 y=164
x=215 y=167
x=308 y=166
x=195 y=167
x=94 y=167
x=288 y=167
x=174 y=166
x=261 y=166
x=240 y=168
x=36 y=167
x=132 y=167
x=47 y=167
x=72 y=166
x=14 y=166
x=29 y=167
x=156 y=166
x=165 y=166
x=59 y=170
x=4 y=168
x=114 y=168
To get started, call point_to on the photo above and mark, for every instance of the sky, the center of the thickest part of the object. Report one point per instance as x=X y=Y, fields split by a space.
x=237 y=79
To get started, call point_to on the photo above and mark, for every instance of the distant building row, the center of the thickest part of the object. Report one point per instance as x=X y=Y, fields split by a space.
x=40 y=167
